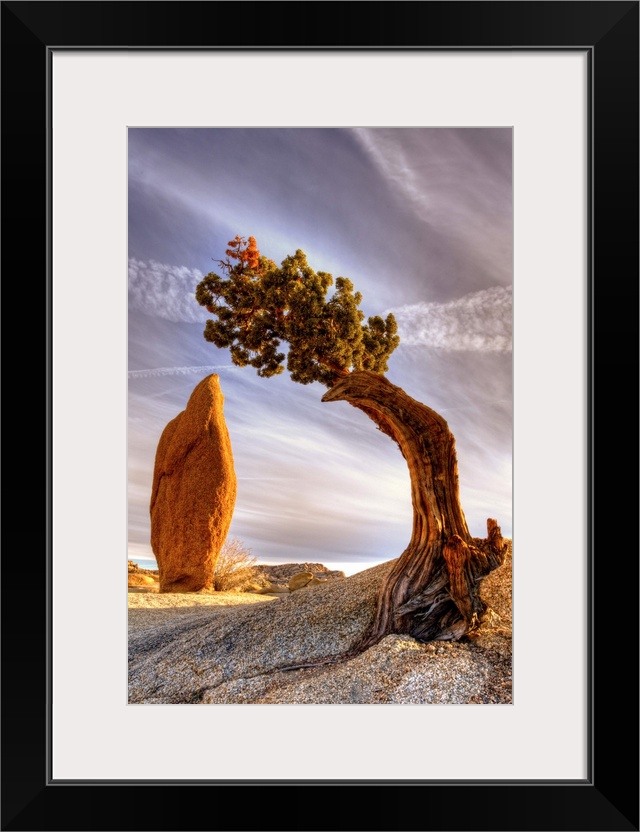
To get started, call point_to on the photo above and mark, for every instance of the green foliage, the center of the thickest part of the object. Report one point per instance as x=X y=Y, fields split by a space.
x=258 y=305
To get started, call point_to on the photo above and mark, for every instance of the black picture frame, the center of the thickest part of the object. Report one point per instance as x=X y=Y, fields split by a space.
x=608 y=798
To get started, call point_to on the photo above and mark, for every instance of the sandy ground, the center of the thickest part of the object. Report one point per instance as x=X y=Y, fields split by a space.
x=148 y=607
x=237 y=648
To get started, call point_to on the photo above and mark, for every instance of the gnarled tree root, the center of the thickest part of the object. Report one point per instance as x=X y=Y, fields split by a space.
x=433 y=590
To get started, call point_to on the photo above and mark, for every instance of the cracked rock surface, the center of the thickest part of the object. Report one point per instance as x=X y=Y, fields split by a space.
x=269 y=650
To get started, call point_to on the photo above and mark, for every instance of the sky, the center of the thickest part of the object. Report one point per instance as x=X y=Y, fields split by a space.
x=420 y=219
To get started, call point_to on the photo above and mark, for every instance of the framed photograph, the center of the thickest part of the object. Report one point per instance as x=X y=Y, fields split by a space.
x=108 y=108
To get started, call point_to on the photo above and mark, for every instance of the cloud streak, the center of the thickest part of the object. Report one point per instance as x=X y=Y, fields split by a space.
x=177 y=371
x=457 y=184
x=478 y=322
x=165 y=291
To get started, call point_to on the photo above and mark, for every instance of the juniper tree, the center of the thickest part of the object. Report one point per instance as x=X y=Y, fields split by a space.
x=260 y=305
x=433 y=589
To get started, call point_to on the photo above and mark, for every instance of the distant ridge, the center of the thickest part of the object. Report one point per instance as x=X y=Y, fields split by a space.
x=280 y=573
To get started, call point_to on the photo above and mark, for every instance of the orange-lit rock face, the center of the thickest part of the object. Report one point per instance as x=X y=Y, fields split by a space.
x=193 y=493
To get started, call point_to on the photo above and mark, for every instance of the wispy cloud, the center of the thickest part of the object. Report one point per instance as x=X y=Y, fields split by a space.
x=165 y=291
x=177 y=371
x=460 y=196
x=390 y=159
x=453 y=183
x=480 y=321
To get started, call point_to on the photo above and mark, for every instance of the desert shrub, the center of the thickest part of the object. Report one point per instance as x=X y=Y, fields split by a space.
x=237 y=569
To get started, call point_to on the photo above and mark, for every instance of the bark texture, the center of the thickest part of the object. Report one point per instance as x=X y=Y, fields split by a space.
x=432 y=591
x=193 y=493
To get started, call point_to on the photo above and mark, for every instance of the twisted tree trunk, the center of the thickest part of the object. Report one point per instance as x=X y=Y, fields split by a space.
x=432 y=591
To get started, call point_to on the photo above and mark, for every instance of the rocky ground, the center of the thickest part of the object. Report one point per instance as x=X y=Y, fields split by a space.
x=250 y=648
x=279 y=576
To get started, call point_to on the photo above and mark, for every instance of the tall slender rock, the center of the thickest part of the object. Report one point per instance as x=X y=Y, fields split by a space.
x=193 y=493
